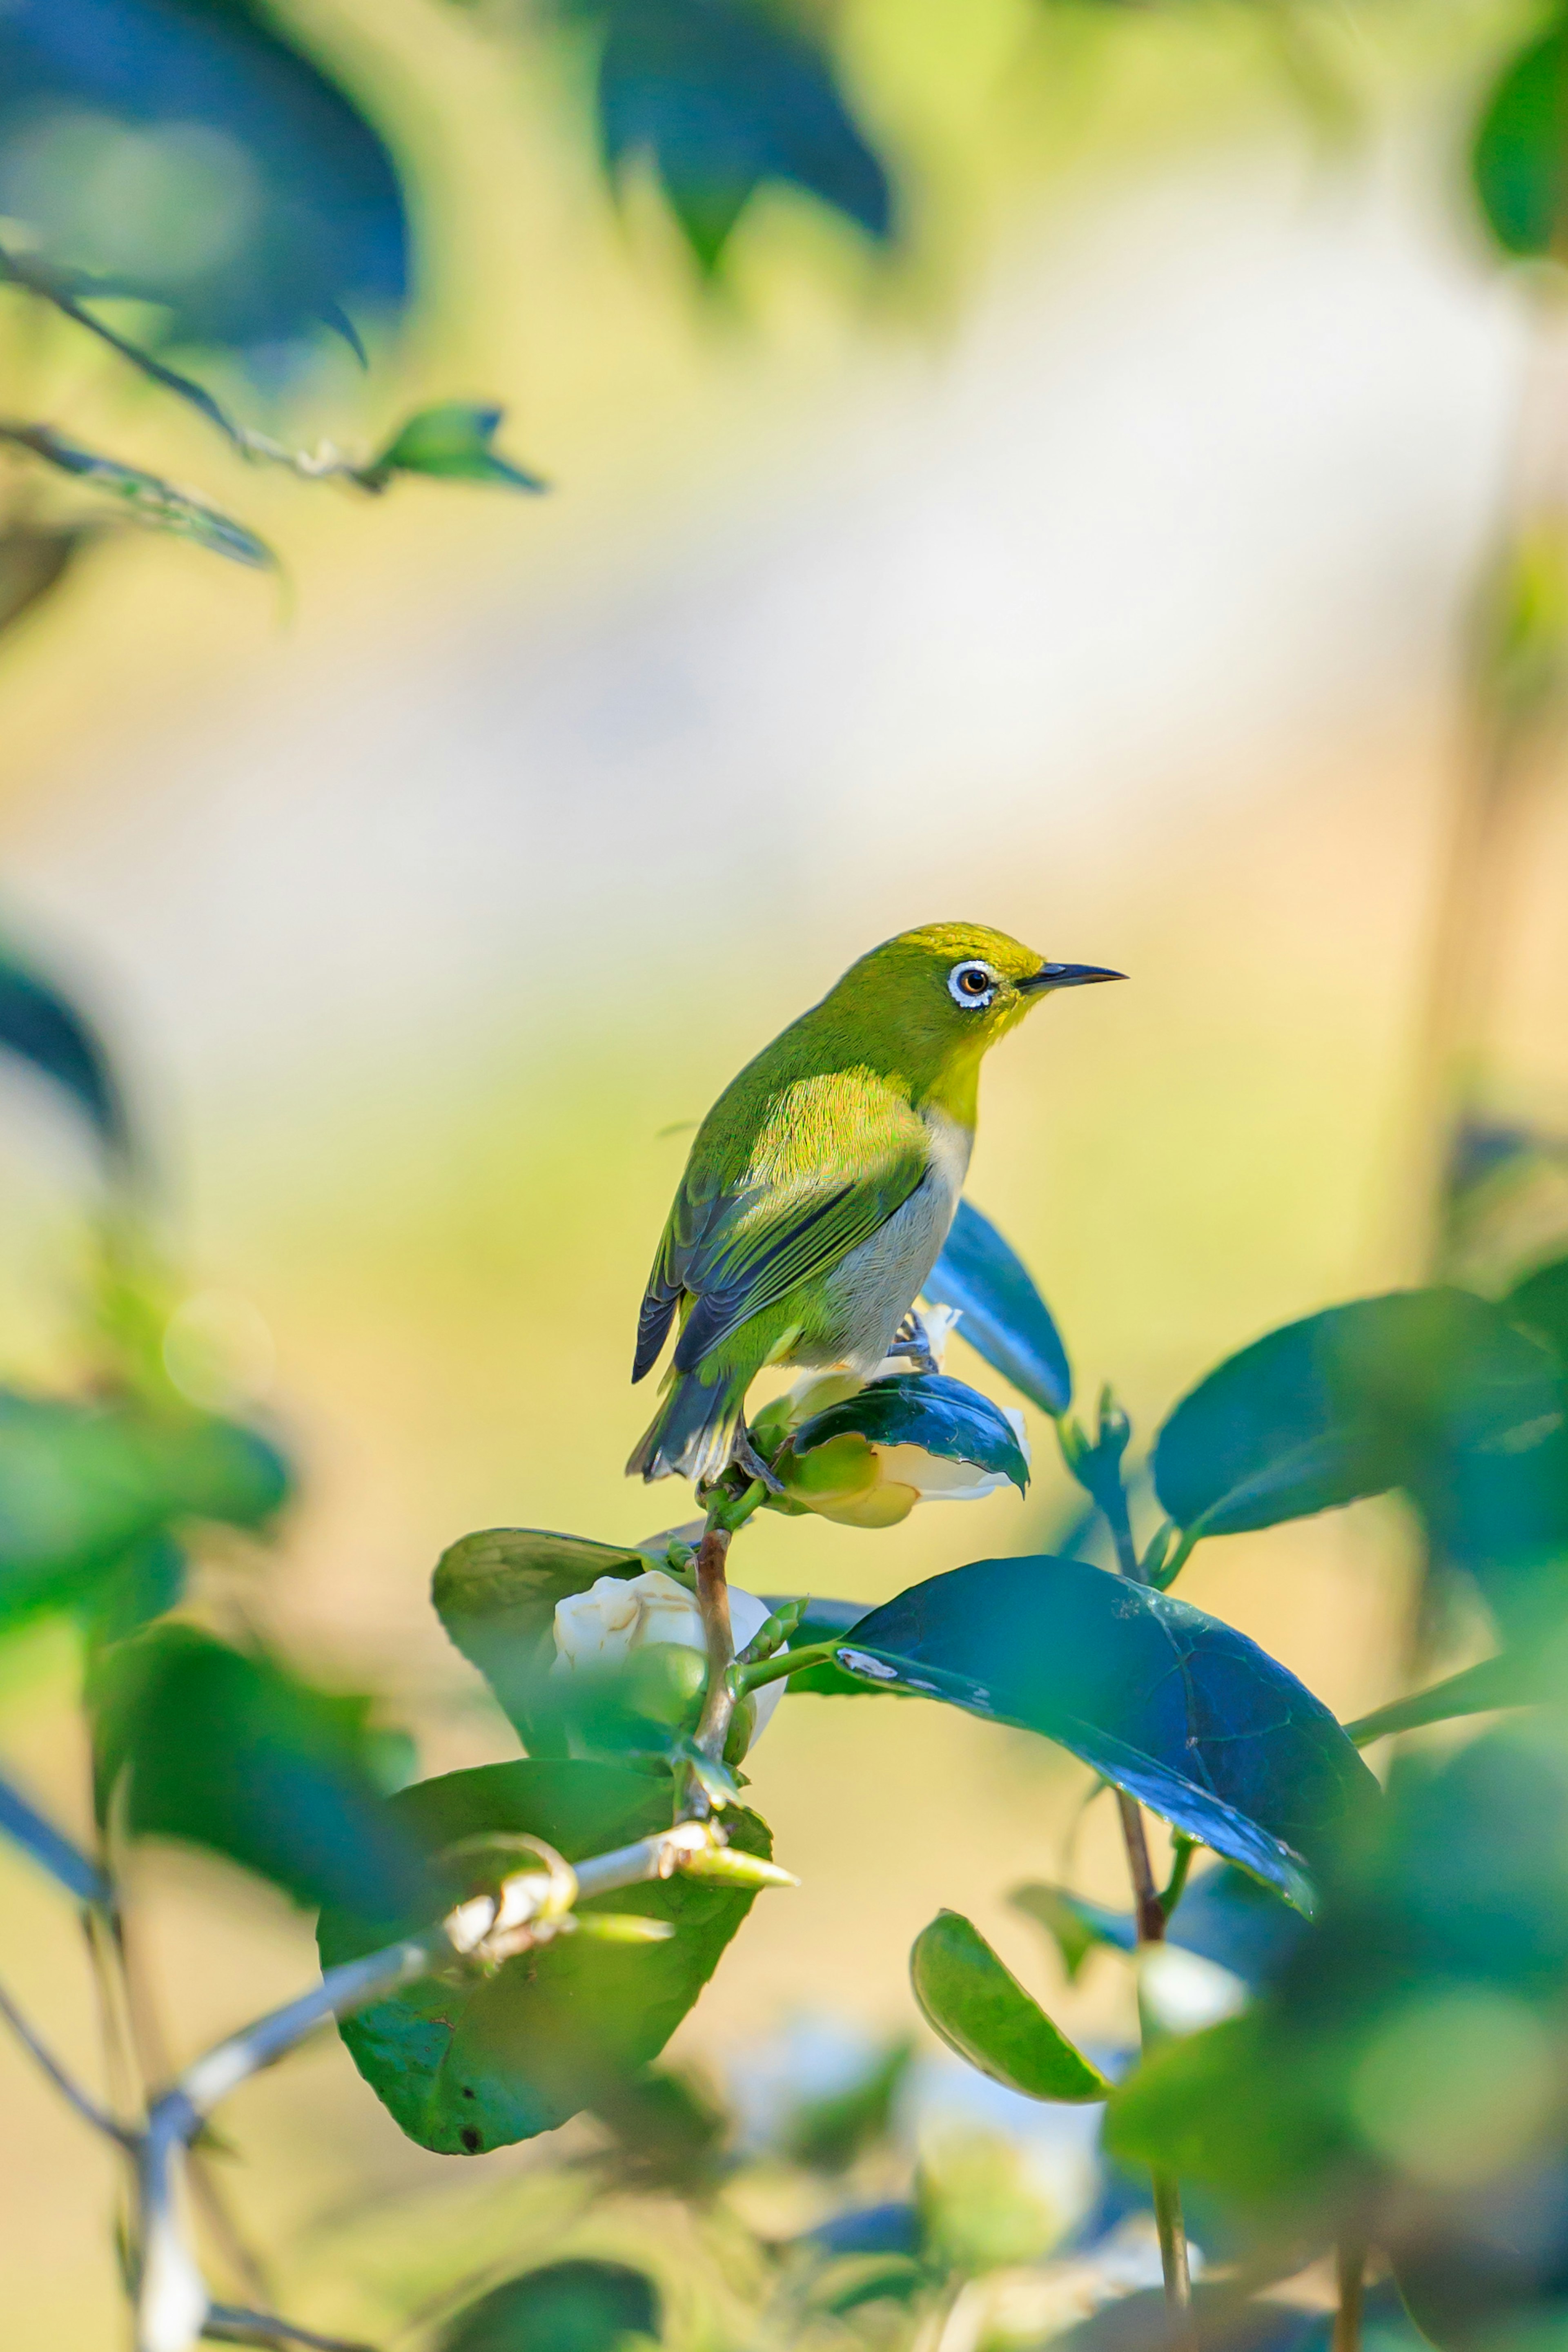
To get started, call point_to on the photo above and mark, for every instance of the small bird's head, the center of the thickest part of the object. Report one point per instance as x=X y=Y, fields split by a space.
x=941 y=996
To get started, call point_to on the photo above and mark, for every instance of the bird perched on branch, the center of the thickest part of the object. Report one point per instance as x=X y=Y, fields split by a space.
x=820 y=1186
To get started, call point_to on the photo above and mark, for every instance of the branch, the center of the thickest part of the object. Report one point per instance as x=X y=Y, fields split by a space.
x=50 y=1848
x=713 y=1601
x=70 y=2090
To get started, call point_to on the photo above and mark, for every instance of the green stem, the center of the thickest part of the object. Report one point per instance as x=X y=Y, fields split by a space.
x=785 y=1661
x=1350 y=2261
x=1181 y=1852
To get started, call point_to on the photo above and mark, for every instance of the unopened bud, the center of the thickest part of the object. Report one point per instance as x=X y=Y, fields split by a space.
x=725 y=1866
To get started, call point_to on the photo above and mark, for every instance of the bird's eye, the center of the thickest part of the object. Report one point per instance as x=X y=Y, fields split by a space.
x=971 y=985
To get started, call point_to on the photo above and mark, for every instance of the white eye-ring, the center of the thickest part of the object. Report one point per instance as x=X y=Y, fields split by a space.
x=972 y=985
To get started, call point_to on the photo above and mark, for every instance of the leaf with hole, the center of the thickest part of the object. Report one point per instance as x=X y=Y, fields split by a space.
x=466 y=2062
x=1181 y=1711
x=981 y=2011
x=1006 y=1320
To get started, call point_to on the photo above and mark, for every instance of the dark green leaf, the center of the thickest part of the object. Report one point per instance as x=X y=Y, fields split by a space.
x=214 y=1748
x=1518 y=162
x=49 y=1847
x=1222 y=2108
x=455 y=441
x=1516 y=1678
x=1006 y=1320
x=496 y=1593
x=981 y=2011
x=1433 y=1391
x=941 y=1416
x=572 y=2306
x=829 y=2134
x=853 y=2280
x=1186 y=1713
x=1540 y=1303
x=147 y=496
x=1075 y=1927
x=83 y=1487
x=477 y=2062
x=42 y=1027
x=265 y=200
x=723 y=97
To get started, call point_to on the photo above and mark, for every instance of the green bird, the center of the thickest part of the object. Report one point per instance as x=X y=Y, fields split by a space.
x=820 y=1186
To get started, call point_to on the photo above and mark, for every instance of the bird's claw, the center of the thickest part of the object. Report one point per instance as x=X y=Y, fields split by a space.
x=746 y=1457
x=911 y=1339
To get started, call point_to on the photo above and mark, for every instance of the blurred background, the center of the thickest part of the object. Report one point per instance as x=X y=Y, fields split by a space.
x=1072 y=509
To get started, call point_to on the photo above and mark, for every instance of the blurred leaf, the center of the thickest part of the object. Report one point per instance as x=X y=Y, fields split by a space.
x=149 y=1582
x=49 y=1847
x=1540 y=1303
x=189 y=153
x=41 y=1026
x=893 y=2228
x=82 y=1486
x=981 y=2011
x=1220 y=2108
x=34 y=559
x=670 y=2132
x=1006 y=1320
x=723 y=97
x=572 y=2306
x=496 y=1593
x=1075 y=1927
x=851 y=2280
x=1220 y=2320
x=216 y=1748
x=148 y=496
x=1518 y=160
x=1184 y=1712
x=941 y=1416
x=453 y=441
x=829 y=2134
x=1516 y=1678
x=469 y=2061
x=64 y=290
x=1432 y=1391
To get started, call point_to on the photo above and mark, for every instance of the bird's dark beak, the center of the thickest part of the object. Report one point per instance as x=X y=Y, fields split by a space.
x=1068 y=975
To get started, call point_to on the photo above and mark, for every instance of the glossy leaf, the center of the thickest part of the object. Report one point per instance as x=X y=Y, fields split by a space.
x=1181 y=1710
x=82 y=1486
x=228 y=1751
x=147 y=496
x=1517 y=161
x=981 y=2011
x=1432 y=1391
x=1006 y=1320
x=724 y=97
x=454 y=441
x=267 y=202
x=49 y=1847
x=579 y=2305
x=942 y=1416
x=468 y=2062
x=496 y=1593
x=41 y=1026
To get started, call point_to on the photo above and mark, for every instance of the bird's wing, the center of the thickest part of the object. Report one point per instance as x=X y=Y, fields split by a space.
x=837 y=1158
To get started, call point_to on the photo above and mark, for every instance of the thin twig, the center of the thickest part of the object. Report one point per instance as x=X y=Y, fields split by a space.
x=713 y=1601
x=68 y=2088
x=1349 y=2263
x=229 y=2322
x=1147 y=1907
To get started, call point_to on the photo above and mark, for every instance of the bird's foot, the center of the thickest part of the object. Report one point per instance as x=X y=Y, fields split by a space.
x=911 y=1339
x=745 y=1457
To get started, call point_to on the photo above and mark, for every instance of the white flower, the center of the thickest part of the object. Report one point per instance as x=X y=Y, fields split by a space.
x=603 y=1626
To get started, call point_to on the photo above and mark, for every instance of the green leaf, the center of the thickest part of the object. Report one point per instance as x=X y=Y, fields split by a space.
x=215 y=1748
x=572 y=2306
x=822 y=1622
x=1225 y=2108
x=42 y=1027
x=831 y=2133
x=496 y=1593
x=1540 y=1303
x=471 y=2062
x=724 y=97
x=1183 y=1711
x=1075 y=1927
x=82 y=1486
x=1521 y=1677
x=1518 y=159
x=981 y=2011
x=941 y=1416
x=1006 y=1320
x=1432 y=1391
x=34 y=559
x=148 y=497
x=453 y=441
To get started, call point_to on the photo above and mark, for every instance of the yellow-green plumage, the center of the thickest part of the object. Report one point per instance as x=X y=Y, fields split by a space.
x=820 y=1186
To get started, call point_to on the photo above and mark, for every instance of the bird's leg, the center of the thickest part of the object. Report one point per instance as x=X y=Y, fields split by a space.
x=911 y=1339
x=744 y=1453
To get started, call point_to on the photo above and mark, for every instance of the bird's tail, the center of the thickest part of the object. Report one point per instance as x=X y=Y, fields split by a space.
x=693 y=1433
